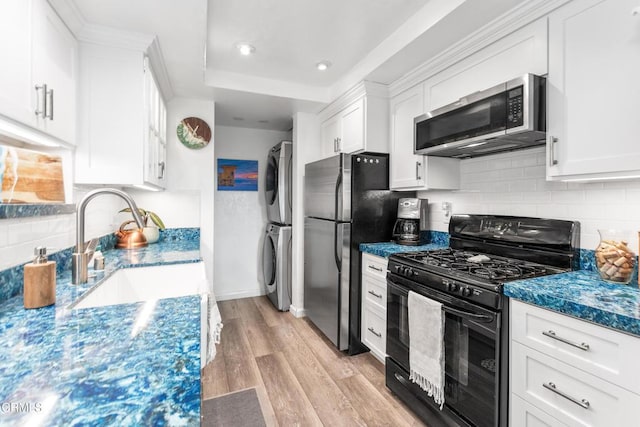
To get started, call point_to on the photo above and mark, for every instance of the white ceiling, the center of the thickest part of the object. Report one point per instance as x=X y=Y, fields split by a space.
x=378 y=40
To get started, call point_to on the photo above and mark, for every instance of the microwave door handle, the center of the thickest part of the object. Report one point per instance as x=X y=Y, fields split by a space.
x=477 y=317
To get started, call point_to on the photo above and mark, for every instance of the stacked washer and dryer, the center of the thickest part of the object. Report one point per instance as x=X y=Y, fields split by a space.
x=276 y=253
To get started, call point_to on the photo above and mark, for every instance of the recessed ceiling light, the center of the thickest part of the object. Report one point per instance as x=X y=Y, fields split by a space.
x=263 y=121
x=245 y=49
x=239 y=119
x=323 y=65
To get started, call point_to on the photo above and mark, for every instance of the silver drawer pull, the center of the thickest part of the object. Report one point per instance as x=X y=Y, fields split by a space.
x=373 y=331
x=584 y=403
x=376 y=295
x=375 y=268
x=551 y=334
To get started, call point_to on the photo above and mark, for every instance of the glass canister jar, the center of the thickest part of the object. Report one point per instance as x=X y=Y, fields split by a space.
x=615 y=260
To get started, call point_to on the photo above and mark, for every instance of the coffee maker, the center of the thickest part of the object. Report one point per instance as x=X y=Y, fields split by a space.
x=412 y=219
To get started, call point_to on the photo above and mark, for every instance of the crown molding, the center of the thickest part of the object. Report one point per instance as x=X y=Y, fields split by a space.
x=363 y=88
x=159 y=69
x=495 y=30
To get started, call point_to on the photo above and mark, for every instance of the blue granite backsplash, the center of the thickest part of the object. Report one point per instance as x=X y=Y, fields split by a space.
x=11 y=279
x=8 y=210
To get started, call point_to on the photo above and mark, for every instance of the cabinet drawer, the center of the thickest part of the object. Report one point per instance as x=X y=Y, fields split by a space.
x=374 y=266
x=524 y=414
x=374 y=331
x=600 y=351
x=375 y=291
x=569 y=394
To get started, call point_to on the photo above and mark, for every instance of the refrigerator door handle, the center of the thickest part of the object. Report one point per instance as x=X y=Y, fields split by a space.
x=337 y=246
x=338 y=196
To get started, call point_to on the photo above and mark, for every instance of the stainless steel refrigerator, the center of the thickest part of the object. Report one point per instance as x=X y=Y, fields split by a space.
x=347 y=202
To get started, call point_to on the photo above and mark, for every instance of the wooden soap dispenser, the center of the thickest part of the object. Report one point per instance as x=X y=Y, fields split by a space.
x=39 y=280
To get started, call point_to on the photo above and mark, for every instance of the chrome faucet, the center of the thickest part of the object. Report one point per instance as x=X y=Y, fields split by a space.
x=84 y=251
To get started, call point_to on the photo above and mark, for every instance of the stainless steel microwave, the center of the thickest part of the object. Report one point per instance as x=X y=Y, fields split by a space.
x=506 y=117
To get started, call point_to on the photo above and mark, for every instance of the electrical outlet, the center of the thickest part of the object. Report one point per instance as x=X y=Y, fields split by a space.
x=446 y=208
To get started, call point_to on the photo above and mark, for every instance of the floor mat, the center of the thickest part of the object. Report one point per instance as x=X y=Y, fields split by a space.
x=239 y=409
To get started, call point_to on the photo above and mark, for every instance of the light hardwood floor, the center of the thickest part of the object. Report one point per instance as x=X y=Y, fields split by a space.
x=300 y=377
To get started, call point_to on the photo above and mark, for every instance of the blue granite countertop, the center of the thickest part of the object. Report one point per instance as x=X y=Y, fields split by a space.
x=389 y=248
x=436 y=239
x=93 y=366
x=583 y=294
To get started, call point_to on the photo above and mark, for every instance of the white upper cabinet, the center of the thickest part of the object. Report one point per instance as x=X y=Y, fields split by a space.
x=122 y=137
x=594 y=90
x=409 y=171
x=356 y=122
x=38 y=76
x=521 y=52
x=15 y=51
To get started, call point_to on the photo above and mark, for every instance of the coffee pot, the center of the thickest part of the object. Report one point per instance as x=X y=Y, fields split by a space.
x=412 y=220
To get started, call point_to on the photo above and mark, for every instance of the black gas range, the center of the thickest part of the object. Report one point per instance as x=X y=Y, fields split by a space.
x=467 y=278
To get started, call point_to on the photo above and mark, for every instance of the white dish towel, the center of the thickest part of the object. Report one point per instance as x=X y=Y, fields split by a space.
x=214 y=326
x=426 y=345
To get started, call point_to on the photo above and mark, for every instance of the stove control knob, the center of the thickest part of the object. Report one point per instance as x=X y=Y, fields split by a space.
x=408 y=271
x=465 y=291
x=397 y=267
x=452 y=287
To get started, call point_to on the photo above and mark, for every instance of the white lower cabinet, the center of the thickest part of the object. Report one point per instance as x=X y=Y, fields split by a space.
x=564 y=371
x=524 y=414
x=374 y=305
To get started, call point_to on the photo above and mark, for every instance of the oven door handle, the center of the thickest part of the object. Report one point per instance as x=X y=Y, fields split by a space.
x=477 y=317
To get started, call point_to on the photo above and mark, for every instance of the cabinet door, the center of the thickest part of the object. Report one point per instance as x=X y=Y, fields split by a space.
x=155 y=144
x=407 y=168
x=15 y=51
x=352 y=135
x=593 y=89
x=54 y=63
x=524 y=414
x=330 y=132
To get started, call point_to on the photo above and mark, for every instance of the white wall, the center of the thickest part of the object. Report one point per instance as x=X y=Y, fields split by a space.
x=188 y=198
x=306 y=147
x=241 y=216
x=514 y=184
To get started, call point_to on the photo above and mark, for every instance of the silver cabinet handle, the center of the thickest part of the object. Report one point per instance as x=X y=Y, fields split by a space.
x=373 y=331
x=41 y=100
x=552 y=334
x=161 y=173
x=335 y=145
x=375 y=295
x=552 y=151
x=418 y=177
x=584 y=403
x=48 y=106
x=339 y=140
x=375 y=268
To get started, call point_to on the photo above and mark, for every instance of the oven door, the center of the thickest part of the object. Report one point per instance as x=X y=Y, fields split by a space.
x=472 y=351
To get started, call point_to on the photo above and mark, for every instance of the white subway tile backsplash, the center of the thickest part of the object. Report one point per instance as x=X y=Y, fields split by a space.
x=519 y=188
x=606 y=196
x=512 y=173
x=567 y=196
x=527 y=185
x=535 y=171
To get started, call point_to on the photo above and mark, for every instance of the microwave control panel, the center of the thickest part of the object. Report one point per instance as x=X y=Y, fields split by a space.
x=515 y=101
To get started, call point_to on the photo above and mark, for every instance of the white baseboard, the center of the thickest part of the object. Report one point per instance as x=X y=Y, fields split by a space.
x=238 y=295
x=297 y=312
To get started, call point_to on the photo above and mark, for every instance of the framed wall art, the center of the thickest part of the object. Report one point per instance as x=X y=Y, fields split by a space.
x=237 y=175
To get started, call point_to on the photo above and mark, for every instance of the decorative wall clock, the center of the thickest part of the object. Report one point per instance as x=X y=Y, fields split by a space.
x=194 y=133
